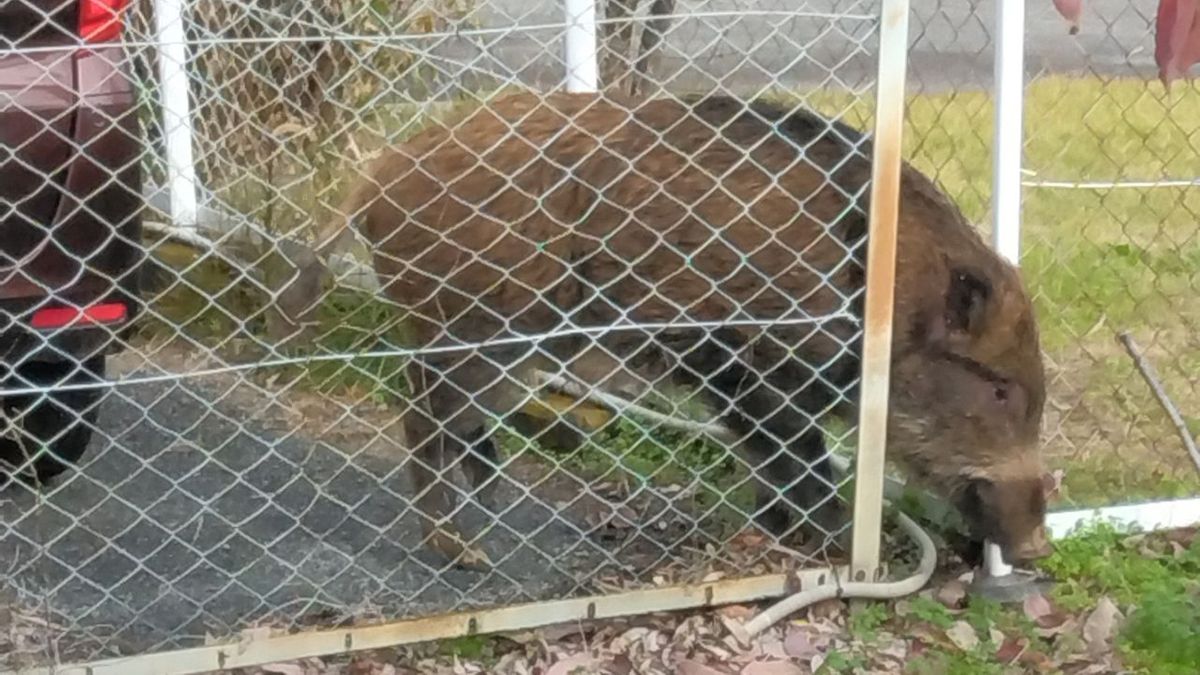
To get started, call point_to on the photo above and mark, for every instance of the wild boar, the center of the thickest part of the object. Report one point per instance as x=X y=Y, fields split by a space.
x=713 y=243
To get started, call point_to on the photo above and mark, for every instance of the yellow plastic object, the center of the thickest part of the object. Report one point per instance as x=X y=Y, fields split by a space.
x=553 y=405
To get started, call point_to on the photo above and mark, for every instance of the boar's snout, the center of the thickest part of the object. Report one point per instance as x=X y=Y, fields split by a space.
x=1011 y=513
x=1035 y=547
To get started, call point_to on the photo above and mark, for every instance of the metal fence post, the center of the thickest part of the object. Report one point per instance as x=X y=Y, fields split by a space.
x=579 y=44
x=1006 y=164
x=881 y=267
x=176 y=111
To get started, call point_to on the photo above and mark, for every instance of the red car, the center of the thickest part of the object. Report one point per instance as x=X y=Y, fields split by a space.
x=70 y=228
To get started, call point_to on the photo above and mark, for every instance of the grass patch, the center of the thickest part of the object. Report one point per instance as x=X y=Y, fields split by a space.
x=1159 y=576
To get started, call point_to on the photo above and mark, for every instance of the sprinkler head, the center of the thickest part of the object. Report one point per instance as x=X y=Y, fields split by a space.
x=1010 y=588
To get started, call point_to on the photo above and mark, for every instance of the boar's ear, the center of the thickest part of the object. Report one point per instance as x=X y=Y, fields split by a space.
x=966 y=301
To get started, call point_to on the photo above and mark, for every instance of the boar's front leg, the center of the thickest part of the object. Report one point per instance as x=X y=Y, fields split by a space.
x=779 y=438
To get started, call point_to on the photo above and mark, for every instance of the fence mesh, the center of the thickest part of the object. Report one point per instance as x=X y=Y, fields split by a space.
x=228 y=484
x=239 y=474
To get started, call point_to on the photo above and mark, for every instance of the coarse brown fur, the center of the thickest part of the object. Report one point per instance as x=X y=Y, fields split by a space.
x=538 y=213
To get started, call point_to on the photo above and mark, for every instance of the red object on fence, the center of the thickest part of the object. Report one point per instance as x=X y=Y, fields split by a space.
x=1176 y=34
x=1070 y=10
x=1177 y=38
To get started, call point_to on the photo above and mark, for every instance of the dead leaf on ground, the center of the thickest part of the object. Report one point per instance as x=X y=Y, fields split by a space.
x=739 y=612
x=802 y=642
x=570 y=664
x=748 y=538
x=1010 y=650
x=1183 y=536
x=827 y=609
x=895 y=649
x=283 y=669
x=771 y=645
x=963 y=636
x=1039 y=661
x=1101 y=626
x=1041 y=612
x=773 y=668
x=690 y=667
x=952 y=594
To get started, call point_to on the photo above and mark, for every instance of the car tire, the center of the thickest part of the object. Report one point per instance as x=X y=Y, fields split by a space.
x=55 y=430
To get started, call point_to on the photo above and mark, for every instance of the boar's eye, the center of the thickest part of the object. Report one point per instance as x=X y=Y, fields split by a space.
x=966 y=299
x=1000 y=391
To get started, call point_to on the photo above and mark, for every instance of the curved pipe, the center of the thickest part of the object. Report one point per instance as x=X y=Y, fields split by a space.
x=875 y=590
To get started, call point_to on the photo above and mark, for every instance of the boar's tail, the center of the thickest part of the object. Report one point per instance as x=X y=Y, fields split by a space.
x=297 y=301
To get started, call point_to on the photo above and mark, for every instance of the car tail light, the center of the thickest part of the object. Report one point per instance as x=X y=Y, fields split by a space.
x=101 y=20
x=60 y=317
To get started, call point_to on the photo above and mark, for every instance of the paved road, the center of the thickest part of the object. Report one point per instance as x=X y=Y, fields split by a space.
x=950 y=43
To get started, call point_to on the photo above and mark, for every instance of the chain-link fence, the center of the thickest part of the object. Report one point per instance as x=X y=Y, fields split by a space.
x=399 y=456
x=245 y=473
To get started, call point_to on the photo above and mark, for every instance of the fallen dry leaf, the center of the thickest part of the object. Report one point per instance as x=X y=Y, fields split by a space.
x=827 y=609
x=1041 y=612
x=1183 y=536
x=799 y=642
x=963 y=636
x=895 y=649
x=1039 y=661
x=1095 y=669
x=1010 y=650
x=283 y=669
x=773 y=668
x=570 y=664
x=690 y=667
x=1101 y=626
x=740 y=612
x=952 y=594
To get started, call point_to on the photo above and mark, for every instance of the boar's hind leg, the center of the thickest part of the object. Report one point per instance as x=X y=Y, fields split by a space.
x=446 y=423
x=785 y=449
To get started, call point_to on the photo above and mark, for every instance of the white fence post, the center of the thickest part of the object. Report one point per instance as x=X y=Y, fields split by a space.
x=881 y=283
x=176 y=111
x=579 y=45
x=1006 y=164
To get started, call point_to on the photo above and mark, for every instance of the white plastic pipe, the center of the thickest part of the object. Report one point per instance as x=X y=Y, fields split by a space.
x=176 y=111
x=1006 y=165
x=579 y=45
x=1008 y=132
